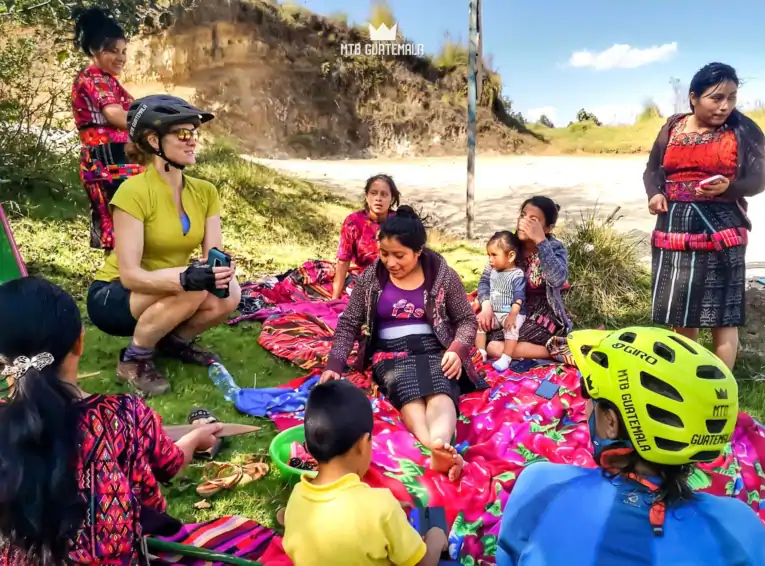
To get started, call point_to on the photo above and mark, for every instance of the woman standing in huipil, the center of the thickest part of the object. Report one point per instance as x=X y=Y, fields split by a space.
x=100 y=105
x=701 y=167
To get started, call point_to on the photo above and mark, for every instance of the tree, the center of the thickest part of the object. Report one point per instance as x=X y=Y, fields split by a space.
x=650 y=111
x=545 y=121
x=584 y=116
x=144 y=16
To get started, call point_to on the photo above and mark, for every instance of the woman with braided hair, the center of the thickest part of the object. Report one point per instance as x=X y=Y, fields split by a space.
x=658 y=403
x=147 y=288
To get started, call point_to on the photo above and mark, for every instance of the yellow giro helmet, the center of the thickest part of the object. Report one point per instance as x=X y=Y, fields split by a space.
x=678 y=401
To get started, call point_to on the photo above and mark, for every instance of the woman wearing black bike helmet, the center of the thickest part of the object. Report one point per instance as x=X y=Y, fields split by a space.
x=147 y=288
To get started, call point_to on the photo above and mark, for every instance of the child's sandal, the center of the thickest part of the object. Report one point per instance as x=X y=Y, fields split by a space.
x=216 y=480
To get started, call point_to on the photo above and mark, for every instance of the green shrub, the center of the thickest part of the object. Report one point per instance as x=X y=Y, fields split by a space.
x=610 y=284
x=339 y=17
x=381 y=13
x=453 y=54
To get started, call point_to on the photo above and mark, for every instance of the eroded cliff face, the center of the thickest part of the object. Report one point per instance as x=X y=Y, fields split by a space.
x=280 y=85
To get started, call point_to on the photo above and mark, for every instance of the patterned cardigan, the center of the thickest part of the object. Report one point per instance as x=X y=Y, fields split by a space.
x=447 y=310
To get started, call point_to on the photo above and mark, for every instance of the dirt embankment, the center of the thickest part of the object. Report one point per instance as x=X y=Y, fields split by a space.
x=282 y=87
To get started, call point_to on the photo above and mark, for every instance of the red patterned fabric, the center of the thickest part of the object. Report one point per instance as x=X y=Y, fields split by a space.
x=103 y=163
x=93 y=90
x=728 y=238
x=124 y=455
x=358 y=240
x=692 y=157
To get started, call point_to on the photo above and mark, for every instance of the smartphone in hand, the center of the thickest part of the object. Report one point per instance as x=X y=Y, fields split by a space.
x=217 y=258
x=711 y=180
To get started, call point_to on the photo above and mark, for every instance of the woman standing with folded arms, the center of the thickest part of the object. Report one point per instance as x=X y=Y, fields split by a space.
x=100 y=105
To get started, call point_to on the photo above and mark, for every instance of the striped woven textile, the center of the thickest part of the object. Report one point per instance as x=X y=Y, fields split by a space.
x=236 y=536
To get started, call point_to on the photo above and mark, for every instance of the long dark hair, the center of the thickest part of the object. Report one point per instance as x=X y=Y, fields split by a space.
x=40 y=508
x=748 y=133
x=94 y=30
x=711 y=75
x=673 y=485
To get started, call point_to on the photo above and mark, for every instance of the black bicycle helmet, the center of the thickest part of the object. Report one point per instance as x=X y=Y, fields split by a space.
x=157 y=113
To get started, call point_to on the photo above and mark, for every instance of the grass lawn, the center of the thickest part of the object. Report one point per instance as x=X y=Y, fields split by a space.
x=273 y=223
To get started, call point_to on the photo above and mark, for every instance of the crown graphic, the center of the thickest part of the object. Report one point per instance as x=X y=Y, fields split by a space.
x=383 y=33
x=722 y=393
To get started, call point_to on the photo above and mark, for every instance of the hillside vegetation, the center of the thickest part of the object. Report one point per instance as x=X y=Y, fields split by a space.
x=283 y=87
x=587 y=137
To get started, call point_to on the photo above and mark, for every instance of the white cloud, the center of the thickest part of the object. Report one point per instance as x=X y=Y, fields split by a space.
x=622 y=56
x=534 y=114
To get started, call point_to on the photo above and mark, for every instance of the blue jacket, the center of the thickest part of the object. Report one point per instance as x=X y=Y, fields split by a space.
x=559 y=514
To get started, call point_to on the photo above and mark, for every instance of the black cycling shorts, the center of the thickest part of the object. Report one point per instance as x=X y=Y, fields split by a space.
x=109 y=308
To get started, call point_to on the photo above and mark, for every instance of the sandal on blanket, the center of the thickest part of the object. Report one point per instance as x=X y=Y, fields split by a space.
x=206 y=417
x=218 y=477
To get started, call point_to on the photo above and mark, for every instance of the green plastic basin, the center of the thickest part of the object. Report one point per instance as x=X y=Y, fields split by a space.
x=279 y=450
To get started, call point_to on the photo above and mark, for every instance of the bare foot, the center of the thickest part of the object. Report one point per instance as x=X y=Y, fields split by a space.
x=445 y=459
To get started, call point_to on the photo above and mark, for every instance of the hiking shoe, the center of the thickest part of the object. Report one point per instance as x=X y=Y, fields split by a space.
x=142 y=375
x=188 y=353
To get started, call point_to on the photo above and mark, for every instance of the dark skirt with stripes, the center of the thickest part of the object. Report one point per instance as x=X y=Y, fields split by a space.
x=696 y=288
x=409 y=368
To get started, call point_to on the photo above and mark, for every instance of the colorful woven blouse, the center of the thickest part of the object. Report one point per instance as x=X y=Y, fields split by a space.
x=358 y=240
x=93 y=90
x=125 y=453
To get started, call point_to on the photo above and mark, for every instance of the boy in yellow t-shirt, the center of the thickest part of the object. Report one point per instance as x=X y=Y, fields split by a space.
x=335 y=519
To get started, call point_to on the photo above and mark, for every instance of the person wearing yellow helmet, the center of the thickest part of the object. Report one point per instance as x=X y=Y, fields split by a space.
x=658 y=403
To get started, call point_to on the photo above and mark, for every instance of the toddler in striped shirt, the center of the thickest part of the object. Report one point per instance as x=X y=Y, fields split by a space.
x=508 y=295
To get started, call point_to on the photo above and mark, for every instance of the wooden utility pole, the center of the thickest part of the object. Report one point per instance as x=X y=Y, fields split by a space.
x=473 y=71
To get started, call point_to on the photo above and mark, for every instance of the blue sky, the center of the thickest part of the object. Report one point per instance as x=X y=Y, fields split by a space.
x=533 y=46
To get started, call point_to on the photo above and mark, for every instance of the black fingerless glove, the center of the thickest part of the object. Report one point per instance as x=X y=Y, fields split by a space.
x=198 y=277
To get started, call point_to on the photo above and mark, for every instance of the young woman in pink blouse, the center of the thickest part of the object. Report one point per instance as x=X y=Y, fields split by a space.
x=358 y=236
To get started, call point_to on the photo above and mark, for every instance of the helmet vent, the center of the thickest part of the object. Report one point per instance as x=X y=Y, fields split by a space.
x=669 y=445
x=709 y=372
x=664 y=352
x=715 y=426
x=706 y=455
x=628 y=337
x=653 y=383
x=684 y=344
x=599 y=358
x=585 y=349
x=664 y=417
x=167 y=110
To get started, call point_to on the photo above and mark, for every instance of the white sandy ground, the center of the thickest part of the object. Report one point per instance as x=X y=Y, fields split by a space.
x=579 y=184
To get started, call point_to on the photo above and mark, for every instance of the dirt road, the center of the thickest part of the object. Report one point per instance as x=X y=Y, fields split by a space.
x=578 y=184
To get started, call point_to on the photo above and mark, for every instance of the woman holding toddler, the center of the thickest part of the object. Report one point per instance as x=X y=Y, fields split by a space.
x=415 y=327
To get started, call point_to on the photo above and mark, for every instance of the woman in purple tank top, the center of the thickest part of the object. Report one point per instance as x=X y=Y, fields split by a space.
x=411 y=316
